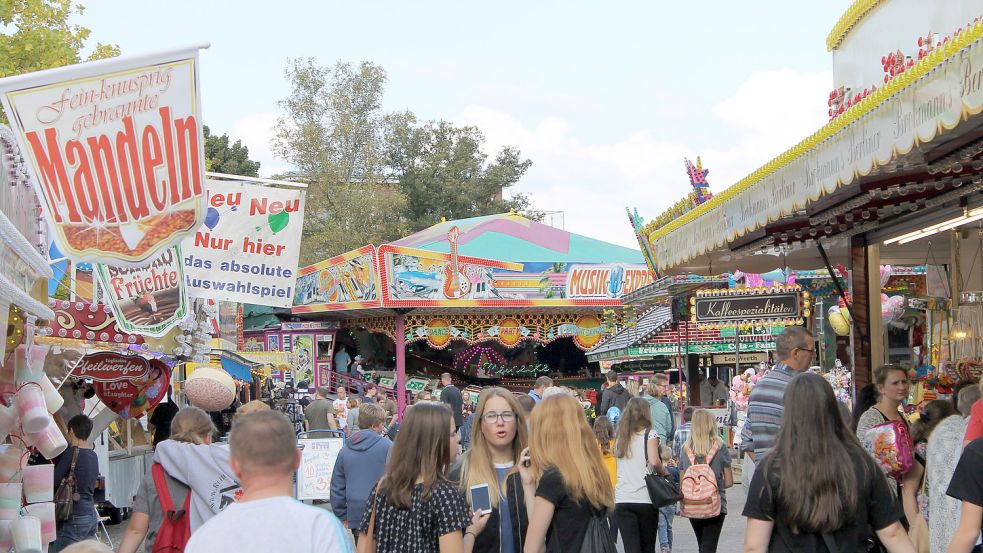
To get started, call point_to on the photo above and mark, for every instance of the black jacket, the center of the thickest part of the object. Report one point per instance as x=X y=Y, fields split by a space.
x=488 y=540
x=615 y=396
x=452 y=397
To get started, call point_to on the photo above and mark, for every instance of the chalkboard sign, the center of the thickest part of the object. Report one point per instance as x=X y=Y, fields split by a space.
x=317 y=458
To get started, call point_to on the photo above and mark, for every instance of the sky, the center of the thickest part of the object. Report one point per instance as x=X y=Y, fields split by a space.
x=606 y=99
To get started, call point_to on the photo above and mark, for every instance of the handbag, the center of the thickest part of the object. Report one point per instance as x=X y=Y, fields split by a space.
x=661 y=490
x=67 y=494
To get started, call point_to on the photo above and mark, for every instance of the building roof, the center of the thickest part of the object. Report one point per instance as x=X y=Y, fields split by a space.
x=512 y=237
x=653 y=322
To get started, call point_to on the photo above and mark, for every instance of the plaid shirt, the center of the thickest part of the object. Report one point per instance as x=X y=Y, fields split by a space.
x=682 y=434
x=765 y=411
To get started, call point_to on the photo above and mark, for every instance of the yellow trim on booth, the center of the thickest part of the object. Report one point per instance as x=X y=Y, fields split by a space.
x=853 y=15
x=865 y=106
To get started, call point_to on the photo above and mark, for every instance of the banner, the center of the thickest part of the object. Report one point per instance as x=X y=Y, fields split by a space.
x=248 y=248
x=347 y=281
x=116 y=151
x=148 y=300
x=129 y=385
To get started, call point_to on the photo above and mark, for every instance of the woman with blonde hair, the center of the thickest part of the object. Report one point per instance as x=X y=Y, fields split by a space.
x=414 y=507
x=573 y=490
x=494 y=459
x=636 y=518
x=704 y=446
x=190 y=425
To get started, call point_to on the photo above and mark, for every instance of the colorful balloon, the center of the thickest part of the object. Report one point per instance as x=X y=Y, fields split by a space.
x=278 y=221
x=211 y=218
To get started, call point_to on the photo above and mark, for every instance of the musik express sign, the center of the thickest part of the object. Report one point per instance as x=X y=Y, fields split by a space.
x=606 y=281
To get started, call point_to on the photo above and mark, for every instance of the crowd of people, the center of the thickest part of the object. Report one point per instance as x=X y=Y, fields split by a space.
x=535 y=476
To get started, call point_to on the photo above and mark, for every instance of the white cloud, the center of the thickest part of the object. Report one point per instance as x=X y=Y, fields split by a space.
x=593 y=182
x=255 y=130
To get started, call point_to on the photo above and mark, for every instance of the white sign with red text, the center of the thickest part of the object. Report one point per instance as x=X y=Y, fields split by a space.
x=249 y=245
x=116 y=151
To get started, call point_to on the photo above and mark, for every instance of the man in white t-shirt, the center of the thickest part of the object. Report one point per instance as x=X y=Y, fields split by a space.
x=341 y=407
x=264 y=458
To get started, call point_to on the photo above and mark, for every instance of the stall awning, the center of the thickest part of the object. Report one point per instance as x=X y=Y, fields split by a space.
x=650 y=323
x=920 y=106
x=237 y=367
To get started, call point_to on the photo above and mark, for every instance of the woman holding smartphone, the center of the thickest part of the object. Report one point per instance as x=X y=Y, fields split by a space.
x=414 y=508
x=573 y=490
x=493 y=469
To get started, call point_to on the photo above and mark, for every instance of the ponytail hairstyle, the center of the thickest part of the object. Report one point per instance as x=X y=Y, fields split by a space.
x=191 y=425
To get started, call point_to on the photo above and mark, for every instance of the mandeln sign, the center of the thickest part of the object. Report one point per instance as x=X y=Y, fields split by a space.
x=117 y=152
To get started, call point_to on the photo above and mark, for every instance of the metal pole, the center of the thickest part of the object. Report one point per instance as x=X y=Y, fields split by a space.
x=400 y=339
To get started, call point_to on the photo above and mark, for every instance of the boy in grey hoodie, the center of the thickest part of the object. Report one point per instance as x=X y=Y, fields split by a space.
x=359 y=466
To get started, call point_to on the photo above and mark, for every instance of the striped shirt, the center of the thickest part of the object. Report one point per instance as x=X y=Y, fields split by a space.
x=765 y=410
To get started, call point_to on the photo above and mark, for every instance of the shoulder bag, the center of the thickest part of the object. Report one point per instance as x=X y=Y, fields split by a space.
x=67 y=495
x=661 y=490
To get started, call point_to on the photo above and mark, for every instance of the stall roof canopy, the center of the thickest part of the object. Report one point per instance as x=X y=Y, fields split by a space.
x=649 y=324
x=512 y=237
x=910 y=130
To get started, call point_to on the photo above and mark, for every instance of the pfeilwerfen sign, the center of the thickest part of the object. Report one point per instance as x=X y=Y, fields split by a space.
x=116 y=151
x=717 y=309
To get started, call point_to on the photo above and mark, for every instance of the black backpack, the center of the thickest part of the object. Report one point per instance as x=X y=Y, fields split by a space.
x=597 y=539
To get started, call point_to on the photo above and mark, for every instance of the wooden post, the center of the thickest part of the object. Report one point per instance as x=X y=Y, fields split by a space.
x=868 y=346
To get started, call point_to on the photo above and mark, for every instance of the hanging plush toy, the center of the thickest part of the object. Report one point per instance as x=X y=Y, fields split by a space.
x=839 y=320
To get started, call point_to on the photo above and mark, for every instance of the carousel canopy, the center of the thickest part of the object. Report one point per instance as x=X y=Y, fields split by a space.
x=512 y=237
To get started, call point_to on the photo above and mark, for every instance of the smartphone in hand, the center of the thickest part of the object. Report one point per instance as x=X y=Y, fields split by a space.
x=480 y=501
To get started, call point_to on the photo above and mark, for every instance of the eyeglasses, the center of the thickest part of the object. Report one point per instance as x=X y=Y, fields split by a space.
x=805 y=349
x=492 y=418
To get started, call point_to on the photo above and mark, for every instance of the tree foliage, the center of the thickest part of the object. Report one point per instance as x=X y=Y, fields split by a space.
x=375 y=176
x=331 y=129
x=42 y=37
x=220 y=157
x=444 y=173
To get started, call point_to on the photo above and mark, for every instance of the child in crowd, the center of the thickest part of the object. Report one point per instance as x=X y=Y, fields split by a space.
x=667 y=513
x=604 y=432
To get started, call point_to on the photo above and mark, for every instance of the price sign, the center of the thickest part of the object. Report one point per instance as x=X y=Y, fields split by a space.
x=317 y=459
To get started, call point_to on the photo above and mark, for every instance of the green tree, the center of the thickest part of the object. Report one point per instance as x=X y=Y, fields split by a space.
x=444 y=172
x=332 y=131
x=232 y=160
x=36 y=35
x=373 y=175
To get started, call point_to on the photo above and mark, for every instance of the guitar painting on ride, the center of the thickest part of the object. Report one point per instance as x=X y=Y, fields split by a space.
x=456 y=284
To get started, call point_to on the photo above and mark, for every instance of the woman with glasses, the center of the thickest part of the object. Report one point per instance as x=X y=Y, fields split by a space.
x=498 y=439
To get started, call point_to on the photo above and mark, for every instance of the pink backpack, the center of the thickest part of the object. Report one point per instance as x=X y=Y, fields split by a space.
x=701 y=496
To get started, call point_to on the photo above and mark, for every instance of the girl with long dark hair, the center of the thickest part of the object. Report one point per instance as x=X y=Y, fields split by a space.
x=818 y=485
x=414 y=508
x=498 y=439
x=636 y=518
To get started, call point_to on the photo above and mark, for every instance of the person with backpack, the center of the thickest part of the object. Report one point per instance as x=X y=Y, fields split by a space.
x=573 y=494
x=264 y=457
x=614 y=396
x=704 y=474
x=636 y=449
x=160 y=497
x=818 y=489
